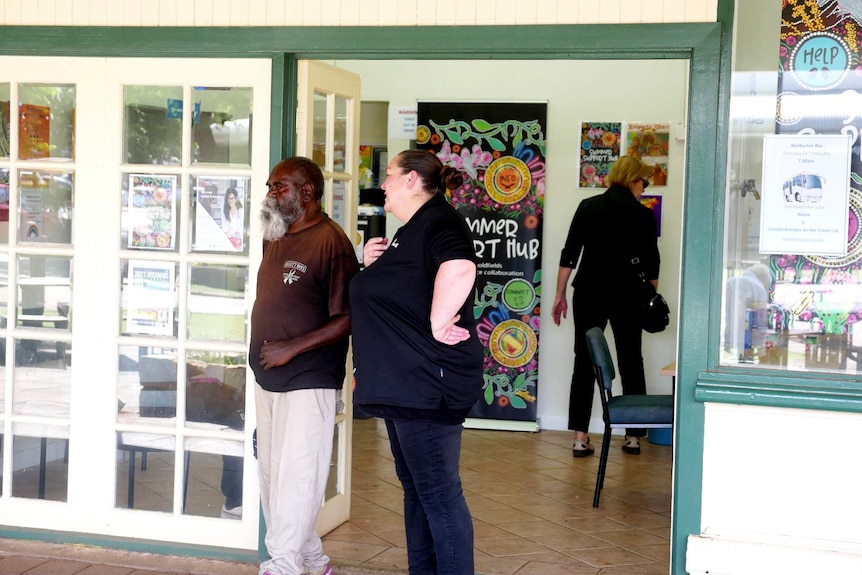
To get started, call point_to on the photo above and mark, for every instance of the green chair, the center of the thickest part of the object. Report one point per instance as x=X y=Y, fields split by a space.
x=632 y=411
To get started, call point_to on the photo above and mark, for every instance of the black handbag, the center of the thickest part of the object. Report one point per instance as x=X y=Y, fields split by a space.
x=654 y=311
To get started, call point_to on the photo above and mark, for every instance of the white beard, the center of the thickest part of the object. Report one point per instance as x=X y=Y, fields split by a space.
x=272 y=221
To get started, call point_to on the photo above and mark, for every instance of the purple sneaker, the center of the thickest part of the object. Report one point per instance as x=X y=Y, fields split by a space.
x=326 y=571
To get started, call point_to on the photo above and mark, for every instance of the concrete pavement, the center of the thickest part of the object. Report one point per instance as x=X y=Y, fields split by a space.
x=19 y=557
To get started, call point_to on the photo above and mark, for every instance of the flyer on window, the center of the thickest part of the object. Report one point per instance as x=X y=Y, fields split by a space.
x=150 y=298
x=805 y=194
x=219 y=213
x=152 y=211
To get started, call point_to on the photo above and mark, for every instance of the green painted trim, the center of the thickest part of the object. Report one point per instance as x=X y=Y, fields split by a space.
x=701 y=232
x=125 y=544
x=705 y=45
x=282 y=136
x=620 y=41
x=780 y=389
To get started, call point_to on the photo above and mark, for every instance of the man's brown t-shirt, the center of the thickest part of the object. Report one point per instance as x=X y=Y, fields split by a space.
x=301 y=284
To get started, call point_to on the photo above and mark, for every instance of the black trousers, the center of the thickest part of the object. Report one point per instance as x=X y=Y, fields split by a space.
x=590 y=312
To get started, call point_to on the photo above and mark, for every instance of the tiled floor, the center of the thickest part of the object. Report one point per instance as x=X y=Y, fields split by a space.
x=531 y=503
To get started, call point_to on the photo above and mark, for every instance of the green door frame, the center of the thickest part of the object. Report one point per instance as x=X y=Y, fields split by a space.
x=706 y=46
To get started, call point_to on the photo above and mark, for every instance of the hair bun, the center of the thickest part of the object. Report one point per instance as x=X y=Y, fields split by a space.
x=451 y=177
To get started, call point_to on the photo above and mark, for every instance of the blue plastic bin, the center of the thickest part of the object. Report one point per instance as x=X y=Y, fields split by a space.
x=660 y=436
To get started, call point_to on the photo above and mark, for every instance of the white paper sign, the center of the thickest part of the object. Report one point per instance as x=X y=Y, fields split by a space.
x=805 y=194
x=402 y=122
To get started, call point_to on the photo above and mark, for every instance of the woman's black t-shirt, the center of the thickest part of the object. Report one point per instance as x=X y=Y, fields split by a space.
x=399 y=368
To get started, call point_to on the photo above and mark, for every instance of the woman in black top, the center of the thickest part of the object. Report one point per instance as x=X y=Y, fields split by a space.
x=417 y=359
x=606 y=234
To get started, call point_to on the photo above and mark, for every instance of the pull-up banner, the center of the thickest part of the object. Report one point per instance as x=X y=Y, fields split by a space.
x=500 y=149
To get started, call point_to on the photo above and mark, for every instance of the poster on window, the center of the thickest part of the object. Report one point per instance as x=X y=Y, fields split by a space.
x=150 y=298
x=152 y=211
x=500 y=149
x=819 y=57
x=219 y=213
x=804 y=194
x=600 y=148
x=34 y=132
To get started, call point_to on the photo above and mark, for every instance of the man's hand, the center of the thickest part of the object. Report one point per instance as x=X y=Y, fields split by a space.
x=276 y=353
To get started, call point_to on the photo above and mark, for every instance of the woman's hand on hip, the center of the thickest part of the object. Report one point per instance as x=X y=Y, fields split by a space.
x=449 y=333
x=372 y=250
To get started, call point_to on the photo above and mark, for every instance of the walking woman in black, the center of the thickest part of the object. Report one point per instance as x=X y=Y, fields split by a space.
x=608 y=232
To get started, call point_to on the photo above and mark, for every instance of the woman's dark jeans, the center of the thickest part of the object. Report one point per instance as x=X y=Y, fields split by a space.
x=438 y=523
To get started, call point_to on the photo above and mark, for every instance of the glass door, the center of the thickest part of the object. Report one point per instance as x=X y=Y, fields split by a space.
x=327 y=124
x=132 y=188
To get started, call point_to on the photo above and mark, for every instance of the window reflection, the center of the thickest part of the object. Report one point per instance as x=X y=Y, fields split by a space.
x=5 y=124
x=319 y=130
x=40 y=461
x=153 y=124
x=222 y=126
x=46 y=122
x=217 y=302
x=792 y=308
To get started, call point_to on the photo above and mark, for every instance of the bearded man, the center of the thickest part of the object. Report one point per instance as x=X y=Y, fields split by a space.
x=300 y=325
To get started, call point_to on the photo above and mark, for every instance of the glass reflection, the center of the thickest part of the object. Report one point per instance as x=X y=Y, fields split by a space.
x=215 y=390
x=145 y=471
x=46 y=122
x=153 y=124
x=220 y=216
x=5 y=123
x=217 y=302
x=4 y=206
x=45 y=202
x=332 y=481
x=341 y=119
x=222 y=126
x=790 y=303
x=215 y=471
x=40 y=461
x=147 y=385
x=4 y=313
x=42 y=380
x=318 y=153
x=44 y=284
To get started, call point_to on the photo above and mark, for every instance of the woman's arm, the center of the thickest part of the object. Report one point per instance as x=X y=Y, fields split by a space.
x=452 y=286
x=561 y=306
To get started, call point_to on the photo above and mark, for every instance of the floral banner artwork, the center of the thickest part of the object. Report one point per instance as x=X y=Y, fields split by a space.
x=600 y=148
x=500 y=149
x=820 y=64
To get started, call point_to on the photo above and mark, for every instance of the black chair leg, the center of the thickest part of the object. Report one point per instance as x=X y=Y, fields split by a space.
x=43 y=461
x=603 y=463
x=131 y=495
x=186 y=462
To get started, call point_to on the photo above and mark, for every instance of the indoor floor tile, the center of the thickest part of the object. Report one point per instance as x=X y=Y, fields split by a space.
x=531 y=503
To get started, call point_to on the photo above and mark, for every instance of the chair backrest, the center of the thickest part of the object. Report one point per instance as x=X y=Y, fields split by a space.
x=601 y=358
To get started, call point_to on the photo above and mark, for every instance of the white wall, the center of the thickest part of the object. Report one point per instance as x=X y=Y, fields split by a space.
x=652 y=91
x=780 y=493
x=349 y=12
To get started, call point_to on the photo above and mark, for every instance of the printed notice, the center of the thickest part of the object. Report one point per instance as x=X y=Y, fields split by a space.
x=805 y=195
x=150 y=298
